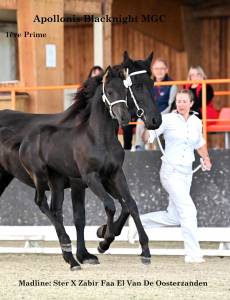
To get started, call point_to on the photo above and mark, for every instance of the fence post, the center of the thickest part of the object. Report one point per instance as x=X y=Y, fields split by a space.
x=204 y=110
x=13 y=100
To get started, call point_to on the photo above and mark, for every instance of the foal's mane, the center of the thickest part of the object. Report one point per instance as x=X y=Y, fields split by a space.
x=81 y=99
x=82 y=105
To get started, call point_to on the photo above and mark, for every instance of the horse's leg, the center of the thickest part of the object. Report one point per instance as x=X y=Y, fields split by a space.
x=119 y=223
x=78 y=202
x=94 y=183
x=5 y=179
x=122 y=187
x=54 y=213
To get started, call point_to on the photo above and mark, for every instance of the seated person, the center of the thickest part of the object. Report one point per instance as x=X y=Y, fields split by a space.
x=197 y=73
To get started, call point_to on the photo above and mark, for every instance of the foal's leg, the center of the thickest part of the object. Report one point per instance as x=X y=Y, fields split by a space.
x=94 y=183
x=5 y=179
x=54 y=213
x=78 y=202
x=117 y=225
x=122 y=187
x=120 y=222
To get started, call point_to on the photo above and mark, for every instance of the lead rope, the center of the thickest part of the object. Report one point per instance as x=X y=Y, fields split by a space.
x=201 y=165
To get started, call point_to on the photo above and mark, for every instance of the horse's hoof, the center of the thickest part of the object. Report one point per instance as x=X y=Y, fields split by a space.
x=101 y=231
x=87 y=258
x=91 y=261
x=146 y=260
x=75 y=268
x=100 y=250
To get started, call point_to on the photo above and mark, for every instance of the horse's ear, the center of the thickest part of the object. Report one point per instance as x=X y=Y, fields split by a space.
x=107 y=74
x=109 y=71
x=125 y=55
x=149 y=59
x=126 y=60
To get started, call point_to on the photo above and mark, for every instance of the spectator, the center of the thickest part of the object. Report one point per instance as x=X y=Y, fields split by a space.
x=95 y=71
x=164 y=95
x=197 y=73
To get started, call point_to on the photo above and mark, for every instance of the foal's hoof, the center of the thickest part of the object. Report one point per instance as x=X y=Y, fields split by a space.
x=91 y=261
x=146 y=260
x=87 y=258
x=100 y=250
x=75 y=268
x=101 y=231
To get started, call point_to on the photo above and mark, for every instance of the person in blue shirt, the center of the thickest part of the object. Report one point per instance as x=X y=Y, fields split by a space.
x=164 y=95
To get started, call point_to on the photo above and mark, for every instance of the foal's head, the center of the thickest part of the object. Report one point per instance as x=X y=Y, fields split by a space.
x=114 y=95
x=141 y=86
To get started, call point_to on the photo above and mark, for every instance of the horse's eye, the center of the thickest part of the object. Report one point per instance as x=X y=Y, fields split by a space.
x=110 y=93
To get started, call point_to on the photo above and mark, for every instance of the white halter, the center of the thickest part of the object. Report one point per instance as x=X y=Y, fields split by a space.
x=110 y=104
x=128 y=83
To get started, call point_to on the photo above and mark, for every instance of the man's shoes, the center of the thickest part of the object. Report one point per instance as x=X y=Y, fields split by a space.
x=191 y=259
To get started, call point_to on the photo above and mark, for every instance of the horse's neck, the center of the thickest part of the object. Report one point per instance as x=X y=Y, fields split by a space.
x=68 y=116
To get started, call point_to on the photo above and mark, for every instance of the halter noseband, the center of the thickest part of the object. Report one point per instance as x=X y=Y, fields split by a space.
x=110 y=104
x=128 y=83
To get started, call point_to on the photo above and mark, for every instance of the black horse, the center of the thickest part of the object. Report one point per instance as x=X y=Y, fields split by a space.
x=89 y=152
x=136 y=85
x=17 y=125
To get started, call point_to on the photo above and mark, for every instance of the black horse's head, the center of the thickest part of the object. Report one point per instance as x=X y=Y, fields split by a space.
x=115 y=94
x=140 y=94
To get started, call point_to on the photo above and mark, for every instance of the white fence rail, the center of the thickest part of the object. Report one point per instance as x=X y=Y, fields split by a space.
x=32 y=235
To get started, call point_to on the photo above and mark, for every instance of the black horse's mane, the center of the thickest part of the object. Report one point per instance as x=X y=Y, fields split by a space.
x=81 y=99
x=82 y=104
x=86 y=92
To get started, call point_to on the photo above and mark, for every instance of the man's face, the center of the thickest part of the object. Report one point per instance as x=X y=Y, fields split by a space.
x=159 y=70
